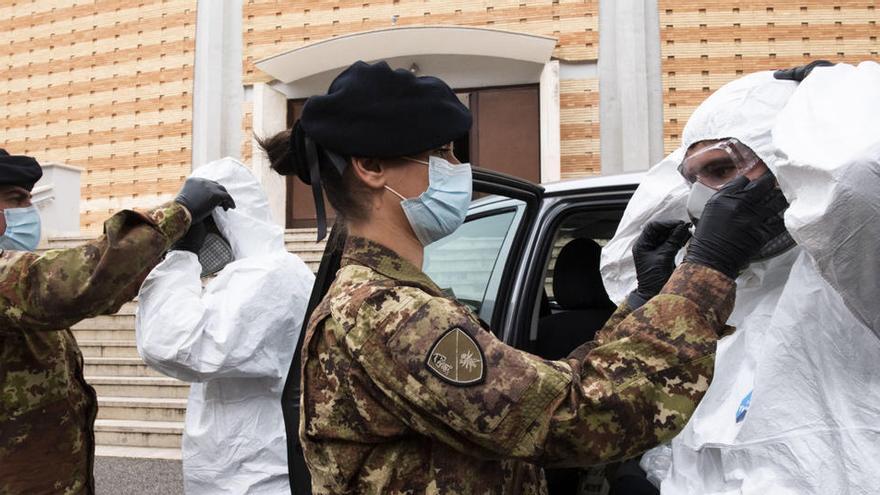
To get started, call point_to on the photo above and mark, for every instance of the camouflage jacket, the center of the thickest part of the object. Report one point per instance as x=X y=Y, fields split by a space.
x=405 y=392
x=47 y=411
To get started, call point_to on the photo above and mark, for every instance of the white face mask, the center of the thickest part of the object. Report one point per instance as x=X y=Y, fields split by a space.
x=22 y=229
x=697 y=199
x=442 y=208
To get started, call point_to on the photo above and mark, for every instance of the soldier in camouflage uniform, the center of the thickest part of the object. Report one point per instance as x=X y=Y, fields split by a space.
x=47 y=410
x=404 y=391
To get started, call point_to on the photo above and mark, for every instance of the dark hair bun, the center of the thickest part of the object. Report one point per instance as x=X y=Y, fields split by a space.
x=297 y=163
x=286 y=152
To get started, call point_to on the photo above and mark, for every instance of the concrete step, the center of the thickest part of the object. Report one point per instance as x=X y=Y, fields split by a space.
x=137 y=452
x=141 y=408
x=108 y=348
x=104 y=335
x=305 y=246
x=107 y=366
x=161 y=387
x=106 y=322
x=125 y=432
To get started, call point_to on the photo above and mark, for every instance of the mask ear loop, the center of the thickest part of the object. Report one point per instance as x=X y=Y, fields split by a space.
x=395 y=193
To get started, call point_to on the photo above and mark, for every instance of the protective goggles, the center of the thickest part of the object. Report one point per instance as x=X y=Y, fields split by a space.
x=717 y=164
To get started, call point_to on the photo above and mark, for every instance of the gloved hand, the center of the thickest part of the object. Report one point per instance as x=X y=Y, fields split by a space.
x=193 y=240
x=654 y=255
x=201 y=196
x=737 y=221
x=800 y=72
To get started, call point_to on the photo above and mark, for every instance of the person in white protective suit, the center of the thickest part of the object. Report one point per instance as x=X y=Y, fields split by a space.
x=233 y=340
x=793 y=405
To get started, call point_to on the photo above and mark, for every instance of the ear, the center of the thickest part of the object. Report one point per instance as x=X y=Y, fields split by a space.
x=370 y=171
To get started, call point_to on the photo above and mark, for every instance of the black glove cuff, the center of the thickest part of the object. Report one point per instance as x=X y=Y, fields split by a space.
x=635 y=300
x=181 y=245
x=727 y=269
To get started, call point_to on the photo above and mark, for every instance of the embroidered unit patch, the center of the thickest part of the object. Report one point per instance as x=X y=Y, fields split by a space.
x=457 y=358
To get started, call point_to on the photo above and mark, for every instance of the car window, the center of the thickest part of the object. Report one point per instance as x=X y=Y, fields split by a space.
x=560 y=324
x=468 y=263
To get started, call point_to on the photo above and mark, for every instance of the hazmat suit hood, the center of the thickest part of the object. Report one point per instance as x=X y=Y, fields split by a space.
x=233 y=339
x=745 y=109
x=787 y=411
x=251 y=213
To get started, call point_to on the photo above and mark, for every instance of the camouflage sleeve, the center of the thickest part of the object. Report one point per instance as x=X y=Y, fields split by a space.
x=62 y=286
x=618 y=316
x=633 y=392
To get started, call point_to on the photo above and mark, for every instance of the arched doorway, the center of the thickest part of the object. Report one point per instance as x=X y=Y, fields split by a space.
x=502 y=76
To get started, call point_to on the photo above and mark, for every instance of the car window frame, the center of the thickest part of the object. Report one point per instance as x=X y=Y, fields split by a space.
x=529 y=276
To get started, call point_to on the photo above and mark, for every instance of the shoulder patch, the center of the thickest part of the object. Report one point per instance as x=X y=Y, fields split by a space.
x=457 y=359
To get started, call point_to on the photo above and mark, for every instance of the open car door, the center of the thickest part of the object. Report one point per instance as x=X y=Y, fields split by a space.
x=526 y=195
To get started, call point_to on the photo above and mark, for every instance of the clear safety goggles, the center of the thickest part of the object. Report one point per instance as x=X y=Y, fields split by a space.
x=717 y=164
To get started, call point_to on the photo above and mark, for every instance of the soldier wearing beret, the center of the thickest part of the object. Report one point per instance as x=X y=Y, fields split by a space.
x=404 y=391
x=47 y=410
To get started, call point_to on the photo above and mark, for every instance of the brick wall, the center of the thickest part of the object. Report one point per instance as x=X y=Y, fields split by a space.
x=579 y=127
x=272 y=27
x=707 y=44
x=106 y=86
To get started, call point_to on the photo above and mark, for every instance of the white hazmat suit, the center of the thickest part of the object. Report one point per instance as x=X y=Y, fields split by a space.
x=794 y=403
x=233 y=340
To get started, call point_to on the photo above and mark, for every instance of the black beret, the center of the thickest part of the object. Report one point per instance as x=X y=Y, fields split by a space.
x=19 y=170
x=373 y=111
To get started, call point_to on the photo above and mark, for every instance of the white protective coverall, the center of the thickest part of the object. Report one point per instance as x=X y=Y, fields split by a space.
x=794 y=404
x=233 y=340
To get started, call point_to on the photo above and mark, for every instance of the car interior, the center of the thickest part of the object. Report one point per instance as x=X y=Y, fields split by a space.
x=573 y=305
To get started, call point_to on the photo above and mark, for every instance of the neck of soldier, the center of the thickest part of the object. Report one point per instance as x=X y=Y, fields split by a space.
x=389 y=233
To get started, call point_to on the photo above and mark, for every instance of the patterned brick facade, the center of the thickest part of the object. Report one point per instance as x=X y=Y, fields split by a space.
x=106 y=86
x=707 y=44
x=272 y=27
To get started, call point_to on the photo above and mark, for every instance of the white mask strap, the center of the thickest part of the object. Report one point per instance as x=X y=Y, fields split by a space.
x=417 y=160
x=396 y=193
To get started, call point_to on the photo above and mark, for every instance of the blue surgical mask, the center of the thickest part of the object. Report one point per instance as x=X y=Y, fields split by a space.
x=441 y=209
x=22 y=229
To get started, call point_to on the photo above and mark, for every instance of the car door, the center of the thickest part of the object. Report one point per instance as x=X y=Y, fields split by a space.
x=511 y=212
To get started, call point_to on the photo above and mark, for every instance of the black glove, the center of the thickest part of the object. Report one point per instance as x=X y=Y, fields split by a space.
x=800 y=72
x=193 y=240
x=737 y=221
x=654 y=255
x=201 y=196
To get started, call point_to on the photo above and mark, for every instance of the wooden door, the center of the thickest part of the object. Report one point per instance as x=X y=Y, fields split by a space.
x=506 y=135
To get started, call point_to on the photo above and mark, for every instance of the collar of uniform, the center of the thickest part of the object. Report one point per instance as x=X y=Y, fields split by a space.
x=360 y=251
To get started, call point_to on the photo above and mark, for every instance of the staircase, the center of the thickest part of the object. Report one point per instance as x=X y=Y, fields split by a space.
x=141 y=411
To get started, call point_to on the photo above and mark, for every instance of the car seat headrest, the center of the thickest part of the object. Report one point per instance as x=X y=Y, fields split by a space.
x=577 y=283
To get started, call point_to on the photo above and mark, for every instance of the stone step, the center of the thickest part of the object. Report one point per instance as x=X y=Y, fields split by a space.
x=126 y=432
x=108 y=348
x=107 y=322
x=160 y=387
x=107 y=366
x=141 y=408
x=104 y=335
x=305 y=246
x=137 y=452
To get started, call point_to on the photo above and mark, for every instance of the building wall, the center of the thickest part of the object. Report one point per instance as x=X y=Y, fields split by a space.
x=105 y=86
x=271 y=27
x=707 y=44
